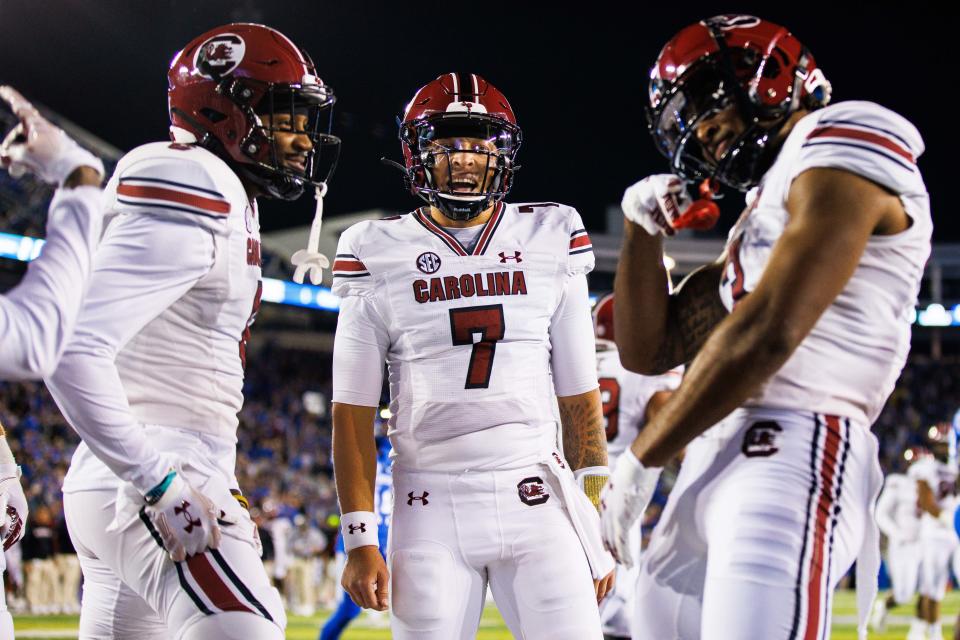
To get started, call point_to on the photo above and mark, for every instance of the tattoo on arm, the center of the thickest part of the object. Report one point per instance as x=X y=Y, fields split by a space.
x=695 y=309
x=584 y=440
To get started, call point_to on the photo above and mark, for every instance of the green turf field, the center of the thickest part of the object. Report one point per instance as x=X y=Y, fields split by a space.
x=492 y=627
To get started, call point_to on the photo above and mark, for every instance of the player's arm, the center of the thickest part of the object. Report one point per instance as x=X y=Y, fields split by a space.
x=37 y=317
x=833 y=213
x=144 y=264
x=656 y=404
x=886 y=506
x=657 y=330
x=359 y=351
x=574 y=364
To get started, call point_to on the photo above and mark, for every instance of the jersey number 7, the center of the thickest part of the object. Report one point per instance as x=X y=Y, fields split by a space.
x=487 y=321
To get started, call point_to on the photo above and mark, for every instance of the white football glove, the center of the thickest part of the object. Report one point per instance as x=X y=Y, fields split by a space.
x=185 y=519
x=13 y=506
x=623 y=501
x=656 y=203
x=37 y=146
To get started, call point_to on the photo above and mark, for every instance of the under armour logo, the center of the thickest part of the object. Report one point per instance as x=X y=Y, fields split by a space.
x=423 y=499
x=362 y=528
x=191 y=522
x=516 y=256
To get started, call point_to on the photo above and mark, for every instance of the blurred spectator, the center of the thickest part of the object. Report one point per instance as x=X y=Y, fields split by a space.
x=68 y=570
x=306 y=545
x=39 y=548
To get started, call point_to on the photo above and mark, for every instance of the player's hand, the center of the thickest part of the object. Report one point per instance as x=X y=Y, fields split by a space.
x=604 y=586
x=37 y=146
x=656 y=203
x=13 y=506
x=623 y=501
x=366 y=578
x=185 y=519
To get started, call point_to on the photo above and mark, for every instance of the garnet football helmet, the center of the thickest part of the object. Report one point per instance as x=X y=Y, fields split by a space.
x=221 y=83
x=603 y=318
x=459 y=107
x=755 y=66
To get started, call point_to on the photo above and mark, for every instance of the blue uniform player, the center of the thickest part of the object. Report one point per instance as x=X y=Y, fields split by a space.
x=347 y=610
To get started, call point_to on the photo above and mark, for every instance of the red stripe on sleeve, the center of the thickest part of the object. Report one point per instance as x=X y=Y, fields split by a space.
x=348 y=265
x=180 y=197
x=580 y=241
x=865 y=136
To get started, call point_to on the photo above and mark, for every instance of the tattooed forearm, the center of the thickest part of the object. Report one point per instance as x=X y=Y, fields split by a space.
x=584 y=441
x=695 y=309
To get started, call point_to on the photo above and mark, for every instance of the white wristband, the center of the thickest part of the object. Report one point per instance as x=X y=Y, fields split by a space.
x=359 y=529
x=580 y=474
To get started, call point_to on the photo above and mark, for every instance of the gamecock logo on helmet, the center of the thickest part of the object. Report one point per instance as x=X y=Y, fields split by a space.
x=220 y=55
x=531 y=491
x=728 y=22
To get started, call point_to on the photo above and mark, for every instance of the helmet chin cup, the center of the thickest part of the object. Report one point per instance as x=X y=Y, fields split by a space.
x=460 y=209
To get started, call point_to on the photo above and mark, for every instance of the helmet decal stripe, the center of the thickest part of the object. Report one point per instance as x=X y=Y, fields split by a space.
x=476 y=86
x=466 y=88
x=456 y=84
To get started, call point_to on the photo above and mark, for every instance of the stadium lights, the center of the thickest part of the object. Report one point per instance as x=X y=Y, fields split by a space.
x=25 y=249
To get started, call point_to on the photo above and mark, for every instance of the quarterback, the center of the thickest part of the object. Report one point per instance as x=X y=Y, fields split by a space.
x=153 y=377
x=797 y=335
x=480 y=310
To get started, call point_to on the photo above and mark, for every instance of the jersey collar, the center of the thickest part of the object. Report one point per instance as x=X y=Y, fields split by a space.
x=422 y=216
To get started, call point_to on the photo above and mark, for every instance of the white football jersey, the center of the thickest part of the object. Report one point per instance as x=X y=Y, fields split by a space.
x=849 y=362
x=942 y=480
x=625 y=397
x=898 y=514
x=177 y=321
x=470 y=337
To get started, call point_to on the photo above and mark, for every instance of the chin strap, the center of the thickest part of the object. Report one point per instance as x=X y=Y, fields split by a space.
x=310 y=260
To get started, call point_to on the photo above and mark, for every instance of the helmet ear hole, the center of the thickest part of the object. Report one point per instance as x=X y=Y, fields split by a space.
x=213 y=115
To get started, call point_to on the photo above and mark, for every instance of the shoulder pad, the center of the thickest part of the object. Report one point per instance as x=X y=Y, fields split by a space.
x=177 y=181
x=859 y=121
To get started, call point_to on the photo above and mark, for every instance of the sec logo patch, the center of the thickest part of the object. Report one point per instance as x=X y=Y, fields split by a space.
x=428 y=262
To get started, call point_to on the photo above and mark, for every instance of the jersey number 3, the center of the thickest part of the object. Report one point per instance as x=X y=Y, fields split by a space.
x=610 y=397
x=487 y=321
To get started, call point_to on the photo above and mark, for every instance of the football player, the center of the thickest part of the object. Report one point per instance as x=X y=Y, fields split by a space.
x=153 y=377
x=797 y=335
x=38 y=315
x=933 y=477
x=480 y=309
x=899 y=520
x=629 y=401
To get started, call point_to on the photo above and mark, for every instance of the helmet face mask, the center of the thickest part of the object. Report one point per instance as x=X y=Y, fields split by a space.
x=460 y=140
x=753 y=68
x=247 y=113
x=484 y=148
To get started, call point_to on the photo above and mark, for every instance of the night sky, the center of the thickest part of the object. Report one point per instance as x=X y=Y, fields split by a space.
x=575 y=75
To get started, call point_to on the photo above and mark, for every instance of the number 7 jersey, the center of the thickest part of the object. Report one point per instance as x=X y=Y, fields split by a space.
x=477 y=342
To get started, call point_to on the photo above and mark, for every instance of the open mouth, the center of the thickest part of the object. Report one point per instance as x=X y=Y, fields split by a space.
x=463 y=184
x=296 y=163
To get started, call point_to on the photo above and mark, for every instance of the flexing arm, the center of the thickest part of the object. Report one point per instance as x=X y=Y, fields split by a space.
x=657 y=330
x=832 y=215
x=38 y=316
